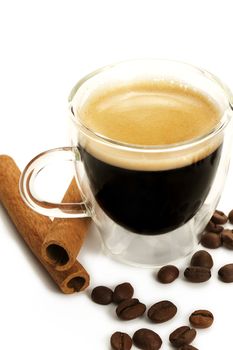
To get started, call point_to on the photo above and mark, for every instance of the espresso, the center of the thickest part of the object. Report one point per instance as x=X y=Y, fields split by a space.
x=150 y=192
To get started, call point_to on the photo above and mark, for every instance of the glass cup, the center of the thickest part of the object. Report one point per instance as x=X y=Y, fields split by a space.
x=151 y=216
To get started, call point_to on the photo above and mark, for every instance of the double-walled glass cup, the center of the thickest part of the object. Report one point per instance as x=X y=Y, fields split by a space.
x=149 y=203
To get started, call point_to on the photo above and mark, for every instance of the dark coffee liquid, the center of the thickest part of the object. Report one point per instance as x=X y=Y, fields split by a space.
x=150 y=202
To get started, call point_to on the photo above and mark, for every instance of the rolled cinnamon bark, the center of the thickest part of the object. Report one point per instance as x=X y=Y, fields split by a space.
x=34 y=227
x=65 y=239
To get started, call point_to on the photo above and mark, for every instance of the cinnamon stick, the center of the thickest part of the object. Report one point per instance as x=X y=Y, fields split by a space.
x=65 y=239
x=34 y=227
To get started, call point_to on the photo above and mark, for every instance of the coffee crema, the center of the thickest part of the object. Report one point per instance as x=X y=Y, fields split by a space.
x=147 y=114
x=150 y=113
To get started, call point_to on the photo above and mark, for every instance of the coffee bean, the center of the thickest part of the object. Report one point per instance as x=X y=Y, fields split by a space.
x=182 y=336
x=130 y=309
x=188 y=347
x=211 y=240
x=168 y=274
x=230 y=216
x=197 y=274
x=212 y=227
x=201 y=319
x=202 y=258
x=121 y=341
x=122 y=292
x=162 y=311
x=102 y=295
x=146 y=339
x=227 y=238
x=226 y=273
x=219 y=218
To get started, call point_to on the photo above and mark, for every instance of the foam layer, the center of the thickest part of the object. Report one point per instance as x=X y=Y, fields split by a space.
x=150 y=114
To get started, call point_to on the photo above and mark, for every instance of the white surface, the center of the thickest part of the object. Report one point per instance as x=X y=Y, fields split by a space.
x=46 y=46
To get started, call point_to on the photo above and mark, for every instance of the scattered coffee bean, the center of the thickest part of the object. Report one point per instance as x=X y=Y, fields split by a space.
x=146 y=339
x=211 y=240
x=230 y=216
x=188 y=347
x=219 y=218
x=102 y=295
x=226 y=273
x=162 y=311
x=130 y=309
x=201 y=319
x=182 y=336
x=212 y=227
x=122 y=292
x=121 y=341
x=202 y=258
x=197 y=274
x=168 y=274
x=227 y=238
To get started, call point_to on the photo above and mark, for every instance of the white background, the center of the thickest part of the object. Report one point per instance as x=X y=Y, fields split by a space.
x=45 y=47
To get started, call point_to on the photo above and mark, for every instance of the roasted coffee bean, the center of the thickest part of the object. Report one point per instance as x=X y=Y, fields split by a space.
x=212 y=227
x=211 y=240
x=230 y=216
x=182 y=336
x=130 y=309
x=122 y=292
x=227 y=238
x=188 y=347
x=197 y=274
x=219 y=218
x=226 y=273
x=201 y=319
x=162 y=311
x=102 y=295
x=202 y=258
x=168 y=274
x=121 y=341
x=146 y=339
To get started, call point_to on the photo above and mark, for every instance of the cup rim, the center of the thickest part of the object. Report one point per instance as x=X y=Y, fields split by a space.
x=153 y=148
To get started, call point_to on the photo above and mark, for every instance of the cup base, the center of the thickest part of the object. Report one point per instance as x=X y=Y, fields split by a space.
x=147 y=251
x=156 y=264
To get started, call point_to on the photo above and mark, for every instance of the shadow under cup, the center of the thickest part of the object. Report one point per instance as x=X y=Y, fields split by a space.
x=152 y=216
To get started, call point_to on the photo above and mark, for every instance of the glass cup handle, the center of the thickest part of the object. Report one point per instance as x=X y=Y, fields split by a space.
x=27 y=180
